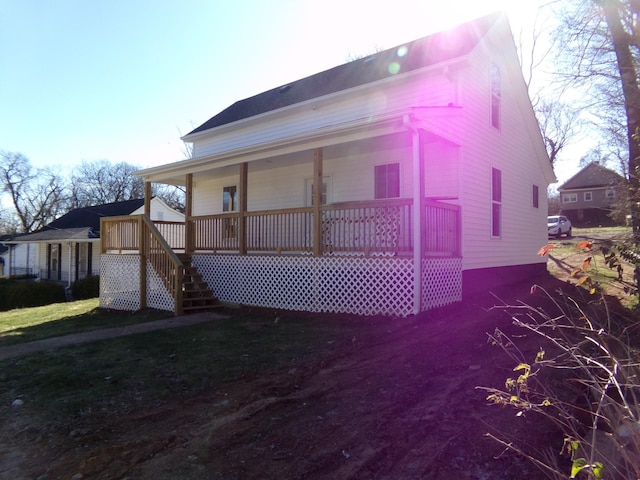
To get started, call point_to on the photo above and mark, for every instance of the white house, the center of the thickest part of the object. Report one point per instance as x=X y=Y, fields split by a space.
x=68 y=248
x=17 y=260
x=431 y=172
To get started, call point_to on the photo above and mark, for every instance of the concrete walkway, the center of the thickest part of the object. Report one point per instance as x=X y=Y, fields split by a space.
x=27 y=348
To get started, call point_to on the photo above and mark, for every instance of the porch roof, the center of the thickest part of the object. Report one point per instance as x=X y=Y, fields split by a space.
x=360 y=129
x=82 y=234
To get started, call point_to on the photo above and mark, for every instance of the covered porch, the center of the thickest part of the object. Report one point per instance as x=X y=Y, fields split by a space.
x=340 y=251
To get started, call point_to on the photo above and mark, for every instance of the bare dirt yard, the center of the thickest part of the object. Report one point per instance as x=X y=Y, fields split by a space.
x=387 y=399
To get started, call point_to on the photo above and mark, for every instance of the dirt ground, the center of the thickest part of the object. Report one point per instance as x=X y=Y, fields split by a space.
x=397 y=401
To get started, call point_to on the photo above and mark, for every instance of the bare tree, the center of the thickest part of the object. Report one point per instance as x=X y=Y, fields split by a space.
x=98 y=182
x=173 y=196
x=603 y=37
x=37 y=195
x=559 y=122
x=8 y=224
x=559 y=125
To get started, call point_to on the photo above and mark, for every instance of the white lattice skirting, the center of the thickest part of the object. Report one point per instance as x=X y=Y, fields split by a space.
x=441 y=282
x=358 y=285
x=120 y=285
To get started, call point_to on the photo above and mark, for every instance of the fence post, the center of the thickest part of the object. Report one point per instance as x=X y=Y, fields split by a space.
x=178 y=289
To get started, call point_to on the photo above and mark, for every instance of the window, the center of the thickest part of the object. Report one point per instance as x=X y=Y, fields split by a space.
x=588 y=196
x=610 y=194
x=496 y=202
x=310 y=191
x=387 y=181
x=535 y=200
x=496 y=93
x=569 y=198
x=229 y=199
x=230 y=204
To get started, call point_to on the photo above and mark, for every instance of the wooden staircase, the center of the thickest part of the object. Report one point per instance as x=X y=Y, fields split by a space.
x=196 y=294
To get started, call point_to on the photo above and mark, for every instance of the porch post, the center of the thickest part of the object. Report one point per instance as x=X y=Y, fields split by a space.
x=242 y=207
x=317 y=200
x=189 y=240
x=143 y=262
x=418 y=216
x=147 y=199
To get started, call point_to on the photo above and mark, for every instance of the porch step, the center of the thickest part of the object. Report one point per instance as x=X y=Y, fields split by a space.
x=196 y=294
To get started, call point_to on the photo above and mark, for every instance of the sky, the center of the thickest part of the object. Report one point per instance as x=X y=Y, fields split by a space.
x=122 y=80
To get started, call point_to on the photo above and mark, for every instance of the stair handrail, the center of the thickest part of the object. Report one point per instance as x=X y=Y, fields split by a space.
x=172 y=277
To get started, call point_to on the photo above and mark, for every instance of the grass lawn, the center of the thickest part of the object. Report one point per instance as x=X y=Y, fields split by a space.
x=566 y=261
x=28 y=324
x=125 y=373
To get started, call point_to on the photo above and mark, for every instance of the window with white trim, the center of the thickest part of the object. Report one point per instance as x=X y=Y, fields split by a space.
x=569 y=197
x=496 y=202
x=309 y=190
x=496 y=93
x=387 y=180
x=588 y=196
x=610 y=193
x=230 y=204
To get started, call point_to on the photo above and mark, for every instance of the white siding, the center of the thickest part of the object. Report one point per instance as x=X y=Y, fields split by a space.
x=161 y=211
x=459 y=172
x=441 y=170
x=24 y=257
x=350 y=170
x=509 y=149
x=380 y=98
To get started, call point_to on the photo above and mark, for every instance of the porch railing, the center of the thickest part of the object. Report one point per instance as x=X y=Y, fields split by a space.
x=138 y=234
x=382 y=227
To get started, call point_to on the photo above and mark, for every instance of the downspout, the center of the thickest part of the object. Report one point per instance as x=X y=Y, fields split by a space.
x=418 y=195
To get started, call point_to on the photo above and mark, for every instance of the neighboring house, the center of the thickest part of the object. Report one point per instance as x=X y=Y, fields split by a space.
x=390 y=185
x=3 y=252
x=68 y=248
x=589 y=197
x=17 y=260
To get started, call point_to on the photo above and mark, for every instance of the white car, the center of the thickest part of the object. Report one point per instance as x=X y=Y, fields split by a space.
x=558 y=225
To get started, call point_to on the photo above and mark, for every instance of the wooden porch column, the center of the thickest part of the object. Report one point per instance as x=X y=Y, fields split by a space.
x=317 y=202
x=418 y=216
x=147 y=199
x=143 y=262
x=242 y=208
x=189 y=239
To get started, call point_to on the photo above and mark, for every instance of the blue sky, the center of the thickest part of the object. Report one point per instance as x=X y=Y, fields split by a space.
x=122 y=80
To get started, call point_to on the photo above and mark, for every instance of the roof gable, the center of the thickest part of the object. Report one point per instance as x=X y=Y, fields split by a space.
x=424 y=52
x=593 y=175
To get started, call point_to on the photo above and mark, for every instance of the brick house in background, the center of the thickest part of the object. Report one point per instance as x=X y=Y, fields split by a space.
x=589 y=197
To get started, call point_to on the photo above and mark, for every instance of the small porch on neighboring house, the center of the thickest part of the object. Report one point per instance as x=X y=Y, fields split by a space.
x=389 y=256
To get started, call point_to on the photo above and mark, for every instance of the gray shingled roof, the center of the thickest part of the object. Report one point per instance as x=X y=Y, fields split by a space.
x=591 y=176
x=62 y=235
x=417 y=54
x=81 y=223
